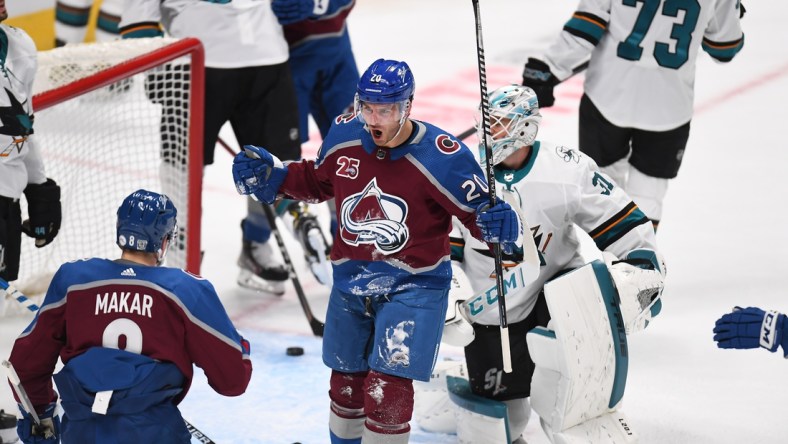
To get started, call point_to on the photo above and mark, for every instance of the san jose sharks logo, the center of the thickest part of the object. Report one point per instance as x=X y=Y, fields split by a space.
x=374 y=217
x=16 y=123
x=568 y=154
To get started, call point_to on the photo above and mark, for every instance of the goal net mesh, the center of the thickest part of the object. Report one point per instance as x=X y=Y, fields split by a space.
x=104 y=143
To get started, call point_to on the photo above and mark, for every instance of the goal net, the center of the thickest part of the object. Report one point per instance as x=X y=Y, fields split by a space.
x=111 y=118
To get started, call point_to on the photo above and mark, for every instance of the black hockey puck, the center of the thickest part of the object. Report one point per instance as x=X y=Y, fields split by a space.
x=295 y=351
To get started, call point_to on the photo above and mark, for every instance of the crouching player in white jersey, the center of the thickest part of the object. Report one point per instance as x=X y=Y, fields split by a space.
x=128 y=333
x=555 y=189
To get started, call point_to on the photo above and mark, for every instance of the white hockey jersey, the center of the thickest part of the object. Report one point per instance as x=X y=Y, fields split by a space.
x=556 y=189
x=20 y=161
x=642 y=68
x=235 y=33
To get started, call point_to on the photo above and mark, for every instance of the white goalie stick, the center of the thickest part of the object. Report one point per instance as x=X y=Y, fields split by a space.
x=8 y=290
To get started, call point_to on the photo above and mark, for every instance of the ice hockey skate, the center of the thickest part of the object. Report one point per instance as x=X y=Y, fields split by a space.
x=307 y=231
x=259 y=270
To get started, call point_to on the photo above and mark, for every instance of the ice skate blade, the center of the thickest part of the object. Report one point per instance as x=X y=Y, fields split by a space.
x=247 y=279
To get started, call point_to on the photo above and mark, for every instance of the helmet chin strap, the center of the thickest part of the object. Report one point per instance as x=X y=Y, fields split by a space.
x=161 y=253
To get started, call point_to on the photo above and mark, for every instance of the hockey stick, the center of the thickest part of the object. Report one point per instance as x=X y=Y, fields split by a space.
x=10 y=291
x=198 y=435
x=505 y=347
x=578 y=69
x=16 y=385
x=316 y=326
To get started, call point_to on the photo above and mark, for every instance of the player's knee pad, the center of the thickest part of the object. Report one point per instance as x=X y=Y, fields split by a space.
x=346 y=420
x=647 y=192
x=347 y=389
x=388 y=403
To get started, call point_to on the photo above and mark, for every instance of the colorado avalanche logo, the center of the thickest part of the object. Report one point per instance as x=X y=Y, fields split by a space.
x=446 y=144
x=344 y=118
x=373 y=217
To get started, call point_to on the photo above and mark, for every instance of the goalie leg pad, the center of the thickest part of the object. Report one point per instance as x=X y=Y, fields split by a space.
x=479 y=420
x=432 y=409
x=581 y=359
x=610 y=428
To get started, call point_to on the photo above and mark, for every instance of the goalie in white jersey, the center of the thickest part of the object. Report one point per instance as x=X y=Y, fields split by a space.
x=639 y=84
x=555 y=189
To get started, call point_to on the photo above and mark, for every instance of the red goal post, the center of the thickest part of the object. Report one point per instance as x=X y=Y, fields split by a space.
x=111 y=118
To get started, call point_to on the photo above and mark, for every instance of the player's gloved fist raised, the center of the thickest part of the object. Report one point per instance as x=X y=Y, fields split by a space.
x=538 y=77
x=258 y=172
x=43 y=209
x=500 y=224
x=47 y=433
x=751 y=327
x=292 y=11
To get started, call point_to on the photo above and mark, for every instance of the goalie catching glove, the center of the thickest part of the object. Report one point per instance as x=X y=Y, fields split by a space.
x=639 y=279
x=44 y=212
x=752 y=327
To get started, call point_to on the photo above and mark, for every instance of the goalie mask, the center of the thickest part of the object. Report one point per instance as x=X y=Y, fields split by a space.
x=145 y=219
x=514 y=121
x=385 y=82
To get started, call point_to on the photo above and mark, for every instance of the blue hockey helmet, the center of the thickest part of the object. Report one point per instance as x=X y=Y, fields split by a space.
x=145 y=219
x=514 y=121
x=386 y=81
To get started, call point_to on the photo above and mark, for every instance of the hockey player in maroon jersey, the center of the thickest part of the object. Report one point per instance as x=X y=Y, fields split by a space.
x=397 y=183
x=128 y=333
